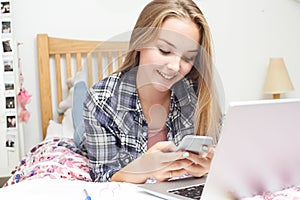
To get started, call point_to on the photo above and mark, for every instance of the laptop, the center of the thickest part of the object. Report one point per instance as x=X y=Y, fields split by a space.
x=258 y=151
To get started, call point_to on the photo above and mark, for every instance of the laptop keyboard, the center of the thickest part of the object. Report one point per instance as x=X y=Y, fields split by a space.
x=193 y=192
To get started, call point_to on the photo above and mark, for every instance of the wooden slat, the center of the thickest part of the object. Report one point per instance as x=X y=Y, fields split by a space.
x=58 y=77
x=78 y=61
x=57 y=45
x=89 y=69
x=100 y=68
x=58 y=82
x=44 y=78
x=68 y=65
x=110 y=62
x=120 y=58
x=111 y=46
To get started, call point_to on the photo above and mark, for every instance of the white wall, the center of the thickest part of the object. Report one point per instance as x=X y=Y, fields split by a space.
x=245 y=35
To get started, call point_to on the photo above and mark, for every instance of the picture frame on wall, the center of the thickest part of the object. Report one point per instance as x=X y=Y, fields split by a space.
x=7 y=46
x=11 y=122
x=9 y=87
x=10 y=142
x=9 y=84
x=6 y=27
x=5 y=8
x=8 y=65
x=10 y=102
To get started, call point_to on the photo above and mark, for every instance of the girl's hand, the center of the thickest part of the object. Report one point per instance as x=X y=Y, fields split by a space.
x=169 y=163
x=199 y=164
x=160 y=162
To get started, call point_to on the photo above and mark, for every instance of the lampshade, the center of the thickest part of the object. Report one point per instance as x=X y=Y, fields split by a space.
x=278 y=80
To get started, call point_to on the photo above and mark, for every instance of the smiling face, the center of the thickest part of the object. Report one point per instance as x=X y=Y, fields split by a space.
x=169 y=58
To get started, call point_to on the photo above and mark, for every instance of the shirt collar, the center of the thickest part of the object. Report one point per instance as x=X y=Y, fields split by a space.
x=127 y=92
x=182 y=93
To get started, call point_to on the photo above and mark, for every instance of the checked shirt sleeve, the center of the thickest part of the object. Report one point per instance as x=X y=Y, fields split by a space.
x=106 y=156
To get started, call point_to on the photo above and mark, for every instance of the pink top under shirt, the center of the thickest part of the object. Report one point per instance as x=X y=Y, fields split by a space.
x=155 y=136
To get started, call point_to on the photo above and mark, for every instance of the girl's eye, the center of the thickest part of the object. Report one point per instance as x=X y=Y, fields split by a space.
x=188 y=59
x=164 y=51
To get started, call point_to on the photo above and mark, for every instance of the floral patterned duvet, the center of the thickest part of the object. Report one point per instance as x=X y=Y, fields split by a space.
x=57 y=158
x=53 y=158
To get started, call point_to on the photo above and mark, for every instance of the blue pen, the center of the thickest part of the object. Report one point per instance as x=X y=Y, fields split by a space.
x=87 y=196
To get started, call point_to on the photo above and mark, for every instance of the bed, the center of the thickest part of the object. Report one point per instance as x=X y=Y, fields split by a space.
x=58 y=61
x=56 y=159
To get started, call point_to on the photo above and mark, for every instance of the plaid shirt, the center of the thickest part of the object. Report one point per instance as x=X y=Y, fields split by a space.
x=116 y=128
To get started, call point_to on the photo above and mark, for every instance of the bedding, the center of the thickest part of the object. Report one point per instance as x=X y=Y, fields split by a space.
x=54 y=158
x=64 y=129
x=57 y=156
x=292 y=193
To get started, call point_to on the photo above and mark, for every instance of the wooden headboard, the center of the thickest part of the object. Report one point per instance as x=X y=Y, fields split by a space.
x=59 y=59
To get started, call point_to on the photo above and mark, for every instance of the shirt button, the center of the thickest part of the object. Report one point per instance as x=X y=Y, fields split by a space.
x=127 y=160
x=145 y=134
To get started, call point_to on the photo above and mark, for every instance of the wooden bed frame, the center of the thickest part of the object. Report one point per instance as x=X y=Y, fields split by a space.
x=64 y=57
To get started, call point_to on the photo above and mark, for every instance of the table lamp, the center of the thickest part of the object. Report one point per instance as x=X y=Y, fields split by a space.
x=278 y=80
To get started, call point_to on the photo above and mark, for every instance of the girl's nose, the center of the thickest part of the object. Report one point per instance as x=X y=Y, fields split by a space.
x=174 y=63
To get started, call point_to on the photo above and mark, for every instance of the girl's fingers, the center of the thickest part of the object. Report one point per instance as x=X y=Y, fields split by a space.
x=200 y=164
x=211 y=153
x=176 y=173
x=197 y=170
x=195 y=158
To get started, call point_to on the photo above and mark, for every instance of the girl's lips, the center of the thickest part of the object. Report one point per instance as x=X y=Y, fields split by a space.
x=166 y=76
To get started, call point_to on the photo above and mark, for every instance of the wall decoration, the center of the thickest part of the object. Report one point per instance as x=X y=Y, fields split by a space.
x=7 y=46
x=6 y=27
x=10 y=142
x=9 y=86
x=9 y=83
x=8 y=64
x=11 y=135
x=11 y=122
x=5 y=8
x=10 y=102
x=23 y=96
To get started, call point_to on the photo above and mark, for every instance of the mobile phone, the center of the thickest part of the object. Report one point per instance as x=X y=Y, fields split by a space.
x=196 y=144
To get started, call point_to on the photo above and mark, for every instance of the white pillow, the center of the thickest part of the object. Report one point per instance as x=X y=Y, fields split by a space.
x=67 y=124
x=54 y=130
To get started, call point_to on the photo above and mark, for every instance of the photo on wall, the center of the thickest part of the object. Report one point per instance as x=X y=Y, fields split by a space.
x=5 y=8
x=6 y=27
x=8 y=65
x=11 y=122
x=9 y=86
x=10 y=142
x=7 y=46
x=10 y=102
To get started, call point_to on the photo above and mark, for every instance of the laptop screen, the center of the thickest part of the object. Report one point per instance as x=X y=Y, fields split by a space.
x=258 y=151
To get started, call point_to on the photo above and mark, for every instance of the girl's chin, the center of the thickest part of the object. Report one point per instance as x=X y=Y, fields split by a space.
x=162 y=88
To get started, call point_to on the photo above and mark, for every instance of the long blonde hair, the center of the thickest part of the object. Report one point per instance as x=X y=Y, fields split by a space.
x=207 y=114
